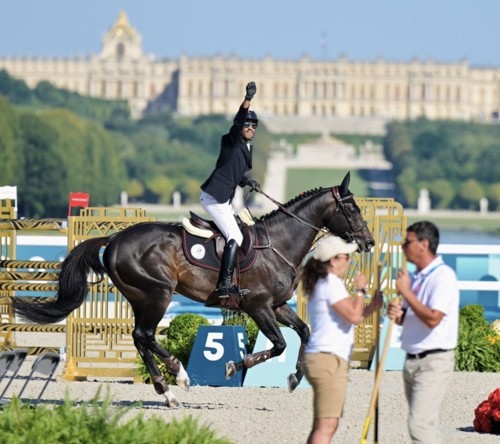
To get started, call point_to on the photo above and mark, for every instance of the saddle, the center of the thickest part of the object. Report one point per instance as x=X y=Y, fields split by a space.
x=203 y=243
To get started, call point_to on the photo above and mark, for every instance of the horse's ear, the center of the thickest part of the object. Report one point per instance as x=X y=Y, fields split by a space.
x=344 y=186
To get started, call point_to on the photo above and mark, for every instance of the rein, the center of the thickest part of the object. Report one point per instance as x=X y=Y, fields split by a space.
x=338 y=199
x=271 y=246
x=294 y=216
x=289 y=213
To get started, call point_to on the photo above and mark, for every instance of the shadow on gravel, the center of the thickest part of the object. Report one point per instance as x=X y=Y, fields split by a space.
x=469 y=429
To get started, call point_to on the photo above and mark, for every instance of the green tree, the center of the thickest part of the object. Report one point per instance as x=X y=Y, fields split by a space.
x=90 y=155
x=494 y=195
x=11 y=171
x=15 y=90
x=190 y=189
x=406 y=184
x=50 y=95
x=134 y=189
x=41 y=190
x=487 y=164
x=162 y=187
x=70 y=146
x=397 y=145
x=451 y=151
x=442 y=193
x=470 y=192
x=105 y=169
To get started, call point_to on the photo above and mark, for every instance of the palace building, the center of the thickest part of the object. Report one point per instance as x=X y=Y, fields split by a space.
x=300 y=91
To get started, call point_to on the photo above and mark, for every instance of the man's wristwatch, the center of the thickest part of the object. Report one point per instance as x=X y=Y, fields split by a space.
x=361 y=292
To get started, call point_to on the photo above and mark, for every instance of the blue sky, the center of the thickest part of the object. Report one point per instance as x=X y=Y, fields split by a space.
x=442 y=30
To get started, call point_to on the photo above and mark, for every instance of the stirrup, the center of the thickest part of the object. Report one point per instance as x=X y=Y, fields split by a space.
x=225 y=292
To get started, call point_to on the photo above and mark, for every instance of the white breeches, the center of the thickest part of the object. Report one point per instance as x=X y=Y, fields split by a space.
x=223 y=216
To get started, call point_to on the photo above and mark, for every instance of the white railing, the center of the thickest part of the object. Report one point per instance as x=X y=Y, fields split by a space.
x=465 y=250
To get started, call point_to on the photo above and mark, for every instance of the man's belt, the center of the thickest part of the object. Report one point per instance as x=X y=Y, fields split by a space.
x=425 y=353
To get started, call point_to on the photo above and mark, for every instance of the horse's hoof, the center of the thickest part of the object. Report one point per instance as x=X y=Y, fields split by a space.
x=182 y=379
x=183 y=384
x=172 y=403
x=230 y=369
x=293 y=382
x=170 y=400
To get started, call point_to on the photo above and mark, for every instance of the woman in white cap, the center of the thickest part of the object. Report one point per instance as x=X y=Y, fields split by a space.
x=333 y=314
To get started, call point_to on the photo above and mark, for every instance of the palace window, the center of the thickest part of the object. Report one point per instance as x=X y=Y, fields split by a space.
x=120 y=50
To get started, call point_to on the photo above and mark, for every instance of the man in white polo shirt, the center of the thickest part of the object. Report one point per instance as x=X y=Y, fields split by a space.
x=428 y=313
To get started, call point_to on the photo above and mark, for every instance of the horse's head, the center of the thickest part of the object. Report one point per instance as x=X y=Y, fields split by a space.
x=344 y=218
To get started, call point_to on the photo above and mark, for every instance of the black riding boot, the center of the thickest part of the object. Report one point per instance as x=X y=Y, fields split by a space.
x=225 y=286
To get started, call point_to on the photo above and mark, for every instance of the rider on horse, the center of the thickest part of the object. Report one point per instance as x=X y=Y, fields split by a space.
x=235 y=159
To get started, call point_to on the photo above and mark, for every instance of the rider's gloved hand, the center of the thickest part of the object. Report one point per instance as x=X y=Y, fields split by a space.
x=251 y=90
x=254 y=185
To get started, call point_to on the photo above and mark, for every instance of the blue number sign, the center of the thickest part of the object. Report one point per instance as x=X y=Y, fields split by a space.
x=213 y=347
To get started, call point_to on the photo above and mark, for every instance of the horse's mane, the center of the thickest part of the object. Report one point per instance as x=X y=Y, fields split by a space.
x=295 y=199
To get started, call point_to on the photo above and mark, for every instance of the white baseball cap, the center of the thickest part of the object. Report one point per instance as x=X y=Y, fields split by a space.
x=331 y=246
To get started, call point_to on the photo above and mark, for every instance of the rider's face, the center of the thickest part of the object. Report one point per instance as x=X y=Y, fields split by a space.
x=249 y=130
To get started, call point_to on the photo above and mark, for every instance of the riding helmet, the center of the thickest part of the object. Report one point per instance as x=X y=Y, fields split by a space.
x=252 y=116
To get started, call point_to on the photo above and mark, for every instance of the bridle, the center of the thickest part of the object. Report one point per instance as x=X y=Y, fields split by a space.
x=347 y=236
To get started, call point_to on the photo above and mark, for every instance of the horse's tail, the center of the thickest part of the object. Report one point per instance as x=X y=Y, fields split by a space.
x=72 y=288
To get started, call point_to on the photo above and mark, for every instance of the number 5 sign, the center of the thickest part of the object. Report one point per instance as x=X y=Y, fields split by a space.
x=213 y=347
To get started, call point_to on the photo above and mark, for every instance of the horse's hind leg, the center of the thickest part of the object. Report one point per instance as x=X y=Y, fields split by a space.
x=145 y=342
x=288 y=317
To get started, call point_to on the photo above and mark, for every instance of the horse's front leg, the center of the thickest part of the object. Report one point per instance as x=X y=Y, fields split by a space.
x=288 y=317
x=266 y=321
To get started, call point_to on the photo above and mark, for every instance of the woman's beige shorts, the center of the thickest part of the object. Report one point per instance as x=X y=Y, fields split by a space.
x=327 y=374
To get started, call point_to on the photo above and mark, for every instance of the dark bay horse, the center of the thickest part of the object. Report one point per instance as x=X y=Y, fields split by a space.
x=147 y=264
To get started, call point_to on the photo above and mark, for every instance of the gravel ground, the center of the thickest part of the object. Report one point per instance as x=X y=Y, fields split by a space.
x=272 y=415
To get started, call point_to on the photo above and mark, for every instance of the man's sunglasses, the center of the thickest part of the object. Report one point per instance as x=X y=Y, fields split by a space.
x=250 y=125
